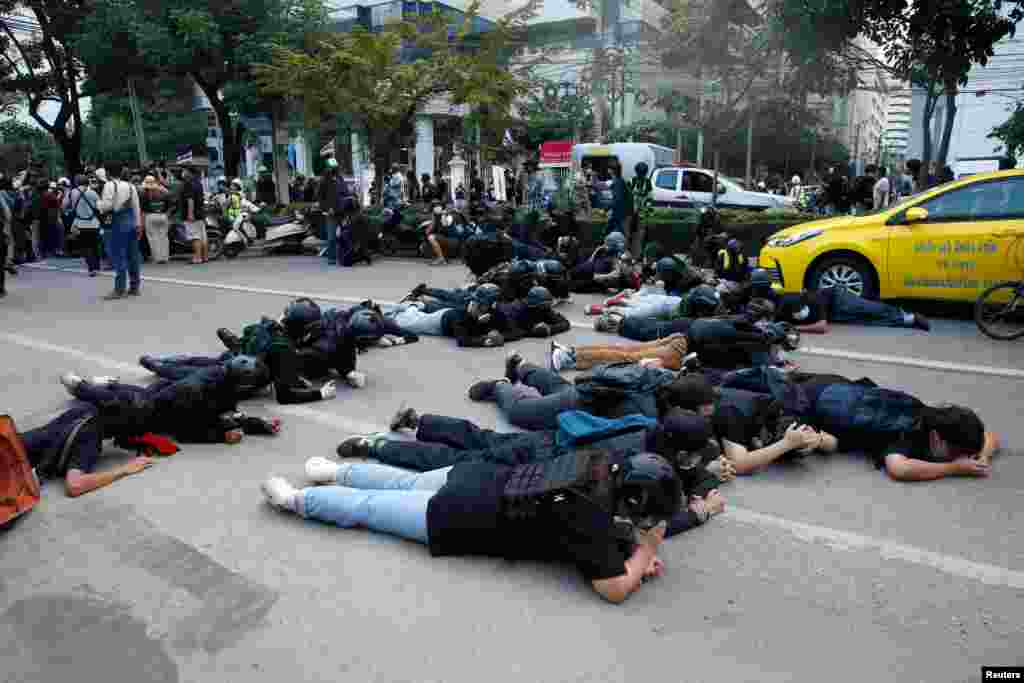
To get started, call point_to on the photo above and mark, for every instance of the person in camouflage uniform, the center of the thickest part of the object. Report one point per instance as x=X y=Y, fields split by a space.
x=643 y=205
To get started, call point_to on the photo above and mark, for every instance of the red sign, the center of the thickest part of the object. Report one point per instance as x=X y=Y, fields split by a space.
x=556 y=152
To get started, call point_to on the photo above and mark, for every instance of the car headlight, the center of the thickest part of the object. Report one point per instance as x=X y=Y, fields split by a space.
x=795 y=239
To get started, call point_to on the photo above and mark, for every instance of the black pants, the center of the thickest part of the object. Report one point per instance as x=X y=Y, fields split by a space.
x=444 y=441
x=92 y=247
x=3 y=260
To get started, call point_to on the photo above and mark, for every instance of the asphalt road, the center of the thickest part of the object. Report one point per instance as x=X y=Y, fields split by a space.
x=822 y=571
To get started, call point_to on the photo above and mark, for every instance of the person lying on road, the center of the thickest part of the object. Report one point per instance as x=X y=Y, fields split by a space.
x=682 y=439
x=813 y=311
x=563 y=509
x=480 y=323
x=201 y=408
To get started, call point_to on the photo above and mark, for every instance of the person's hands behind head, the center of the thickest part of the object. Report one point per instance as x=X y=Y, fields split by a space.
x=971 y=467
x=800 y=436
x=651 y=537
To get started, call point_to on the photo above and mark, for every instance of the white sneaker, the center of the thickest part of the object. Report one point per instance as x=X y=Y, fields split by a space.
x=104 y=380
x=356 y=379
x=561 y=358
x=322 y=471
x=71 y=381
x=280 y=493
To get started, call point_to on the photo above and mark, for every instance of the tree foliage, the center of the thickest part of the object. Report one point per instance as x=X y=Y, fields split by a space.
x=383 y=78
x=1011 y=133
x=40 y=63
x=213 y=42
x=551 y=115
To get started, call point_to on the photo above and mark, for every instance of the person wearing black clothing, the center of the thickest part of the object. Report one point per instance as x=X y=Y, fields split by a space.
x=477 y=324
x=427 y=190
x=605 y=269
x=412 y=185
x=336 y=202
x=534 y=314
x=564 y=509
x=813 y=311
x=682 y=439
x=863 y=198
x=201 y=408
x=69 y=447
x=266 y=188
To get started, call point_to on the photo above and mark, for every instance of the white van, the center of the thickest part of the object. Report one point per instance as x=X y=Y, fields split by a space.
x=629 y=154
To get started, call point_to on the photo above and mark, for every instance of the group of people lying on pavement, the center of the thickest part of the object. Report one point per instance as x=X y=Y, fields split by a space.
x=606 y=465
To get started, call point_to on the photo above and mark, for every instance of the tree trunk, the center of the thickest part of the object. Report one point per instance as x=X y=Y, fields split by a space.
x=931 y=98
x=71 y=147
x=947 y=128
x=231 y=135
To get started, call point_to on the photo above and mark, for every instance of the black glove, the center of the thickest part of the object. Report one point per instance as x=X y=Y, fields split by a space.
x=541 y=330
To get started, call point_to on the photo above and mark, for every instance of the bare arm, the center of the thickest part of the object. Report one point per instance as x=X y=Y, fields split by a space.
x=618 y=588
x=745 y=462
x=77 y=482
x=820 y=327
x=903 y=468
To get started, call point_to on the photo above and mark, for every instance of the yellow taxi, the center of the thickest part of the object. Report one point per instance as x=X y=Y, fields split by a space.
x=950 y=242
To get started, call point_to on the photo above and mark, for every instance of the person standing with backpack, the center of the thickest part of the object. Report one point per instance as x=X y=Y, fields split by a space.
x=121 y=201
x=82 y=204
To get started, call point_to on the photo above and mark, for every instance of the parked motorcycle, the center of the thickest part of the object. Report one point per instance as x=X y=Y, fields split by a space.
x=286 y=233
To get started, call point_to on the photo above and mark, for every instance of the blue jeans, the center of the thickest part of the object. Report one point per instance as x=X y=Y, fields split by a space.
x=649 y=329
x=412 y=319
x=124 y=250
x=180 y=366
x=536 y=413
x=331 y=228
x=377 y=497
x=849 y=308
x=650 y=306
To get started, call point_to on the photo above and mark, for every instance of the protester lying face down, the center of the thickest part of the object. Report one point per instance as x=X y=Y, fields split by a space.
x=563 y=509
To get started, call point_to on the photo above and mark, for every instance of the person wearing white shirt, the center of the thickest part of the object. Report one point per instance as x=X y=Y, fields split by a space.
x=83 y=203
x=881 y=191
x=120 y=200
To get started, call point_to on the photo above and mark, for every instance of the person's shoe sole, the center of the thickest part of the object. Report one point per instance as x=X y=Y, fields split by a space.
x=354 y=447
x=277 y=491
x=405 y=418
x=512 y=363
x=320 y=470
x=484 y=390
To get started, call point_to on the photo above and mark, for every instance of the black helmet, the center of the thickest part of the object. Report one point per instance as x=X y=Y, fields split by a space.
x=641 y=169
x=247 y=372
x=703 y=301
x=759 y=277
x=648 y=490
x=365 y=326
x=486 y=294
x=615 y=243
x=539 y=297
x=298 y=315
x=667 y=265
x=761 y=309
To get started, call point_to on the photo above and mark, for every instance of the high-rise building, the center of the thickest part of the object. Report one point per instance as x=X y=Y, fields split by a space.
x=896 y=138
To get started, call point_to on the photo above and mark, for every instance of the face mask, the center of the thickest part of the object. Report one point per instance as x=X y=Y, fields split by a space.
x=803 y=314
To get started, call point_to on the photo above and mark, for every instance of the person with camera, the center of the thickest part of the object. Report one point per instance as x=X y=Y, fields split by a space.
x=120 y=202
x=82 y=203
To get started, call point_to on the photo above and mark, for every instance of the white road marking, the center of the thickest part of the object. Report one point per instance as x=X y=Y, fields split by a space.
x=909 y=361
x=989 y=574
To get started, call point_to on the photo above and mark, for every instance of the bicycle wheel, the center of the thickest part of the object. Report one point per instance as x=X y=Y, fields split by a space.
x=999 y=311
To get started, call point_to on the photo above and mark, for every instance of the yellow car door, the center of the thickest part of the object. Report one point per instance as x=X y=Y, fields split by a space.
x=958 y=244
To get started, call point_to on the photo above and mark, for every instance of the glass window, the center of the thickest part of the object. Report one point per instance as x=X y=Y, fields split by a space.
x=667 y=180
x=699 y=182
x=1002 y=198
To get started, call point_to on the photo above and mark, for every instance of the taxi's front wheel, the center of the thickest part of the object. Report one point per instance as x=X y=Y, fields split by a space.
x=851 y=273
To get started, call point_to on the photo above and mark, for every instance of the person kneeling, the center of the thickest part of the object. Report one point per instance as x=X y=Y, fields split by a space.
x=562 y=509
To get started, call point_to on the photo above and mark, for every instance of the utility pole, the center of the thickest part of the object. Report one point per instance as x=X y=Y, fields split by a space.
x=750 y=146
x=140 y=134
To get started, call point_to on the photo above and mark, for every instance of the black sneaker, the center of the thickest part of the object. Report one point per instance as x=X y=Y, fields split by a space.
x=484 y=390
x=512 y=362
x=355 y=447
x=405 y=418
x=921 y=323
x=229 y=339
x=114 y=296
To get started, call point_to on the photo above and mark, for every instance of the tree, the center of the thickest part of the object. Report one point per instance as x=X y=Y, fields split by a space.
x=215 y=43
x=382 y=79
x=1011 y=132
x=26 y=146
x=41 y=64
x=931 y=44
x=550 y=115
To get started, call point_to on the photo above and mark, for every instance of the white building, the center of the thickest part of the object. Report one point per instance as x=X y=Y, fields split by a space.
x=984 y=103
x=896 y=137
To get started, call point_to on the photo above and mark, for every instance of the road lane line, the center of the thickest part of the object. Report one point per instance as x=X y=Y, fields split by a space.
x=881 y=359
x=989 y=574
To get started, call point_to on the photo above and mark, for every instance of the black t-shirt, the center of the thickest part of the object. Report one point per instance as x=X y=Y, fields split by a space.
x=465 y=518
x=818 y=304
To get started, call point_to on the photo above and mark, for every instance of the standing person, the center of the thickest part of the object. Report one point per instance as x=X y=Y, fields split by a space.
x=22 y=247
x=909 y=179
x=51 y=232
x=622 y=201
x=121 y=201
x=83 y=204
x=266 y=189
x=642 y=191
x=864 y=191
x=427 y=190
x=191 y=204
x=327 y=196
x=413 y=185
x=309 y=191
x=392 y=197
x=154 y=210
x=881 y=190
